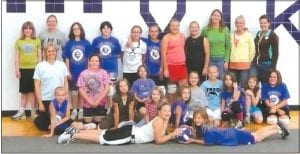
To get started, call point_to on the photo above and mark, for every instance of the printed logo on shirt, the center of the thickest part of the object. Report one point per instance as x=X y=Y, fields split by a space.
x=93 y=85
x=154 y=54
x=105 y=50
x=77 y=55
x=27 y=48
x=274 y=99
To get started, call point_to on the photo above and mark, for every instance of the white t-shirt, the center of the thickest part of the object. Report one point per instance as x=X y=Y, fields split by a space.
x=132 y=57
x=51 y=76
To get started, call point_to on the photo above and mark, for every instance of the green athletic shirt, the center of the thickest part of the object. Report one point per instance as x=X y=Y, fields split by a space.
x=219 y=42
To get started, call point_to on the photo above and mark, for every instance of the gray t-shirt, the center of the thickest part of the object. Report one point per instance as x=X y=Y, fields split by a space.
x=57 y=38
x=198 y=99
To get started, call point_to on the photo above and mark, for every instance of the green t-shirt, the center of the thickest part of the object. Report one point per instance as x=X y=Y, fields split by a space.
x=219 y=42
x=28 y=52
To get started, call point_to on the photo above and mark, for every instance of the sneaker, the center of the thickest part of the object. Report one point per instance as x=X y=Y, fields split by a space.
x=80 y=115
x=285 y=132
x=70 y=130
x=67 y=135
x=239 y=125
x=65 y=138
x=74 y=114
x=90 y=126
x=18 y=116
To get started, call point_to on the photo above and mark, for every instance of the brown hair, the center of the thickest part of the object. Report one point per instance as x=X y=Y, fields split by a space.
x=27 y=24
x=279 y=78
x=180 y=90
x=203 y=114
x=256 y=88
x=233 y=78
x=221 y=23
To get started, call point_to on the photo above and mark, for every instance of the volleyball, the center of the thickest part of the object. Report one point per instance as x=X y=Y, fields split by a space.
x=185 y=135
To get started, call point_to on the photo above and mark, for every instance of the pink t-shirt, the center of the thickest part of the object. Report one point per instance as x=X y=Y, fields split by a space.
x=151 y=109
x=175 y=51
x=93 y=83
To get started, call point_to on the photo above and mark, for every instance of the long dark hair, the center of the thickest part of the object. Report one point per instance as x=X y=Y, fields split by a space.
x=82 y=33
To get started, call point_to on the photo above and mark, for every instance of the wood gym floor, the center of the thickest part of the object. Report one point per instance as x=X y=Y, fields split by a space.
x=26 y=127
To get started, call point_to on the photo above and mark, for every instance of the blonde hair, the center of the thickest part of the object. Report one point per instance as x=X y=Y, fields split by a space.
x=241 y=17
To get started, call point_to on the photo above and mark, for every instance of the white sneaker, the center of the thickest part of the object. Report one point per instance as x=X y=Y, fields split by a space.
x=80 y=115
x=74 y=114
x=64 y=138
x=18 y=116
x=67 y=135
x=90 y=126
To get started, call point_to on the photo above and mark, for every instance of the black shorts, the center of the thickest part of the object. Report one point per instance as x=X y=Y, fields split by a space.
x=139 y=105
x=72 y=85
x=26 y=81
x=131 y=77
x=91 y=112
x=122 y=135
x=286 y=110
x=157 y=81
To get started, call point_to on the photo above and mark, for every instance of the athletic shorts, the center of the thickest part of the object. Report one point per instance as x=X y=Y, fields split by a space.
x=286 y=110
x=244 y=137
x=139 y=105
x=91 y=112
x=26 y=81
x=177 y=72
x=72 y=85
x=122 y=135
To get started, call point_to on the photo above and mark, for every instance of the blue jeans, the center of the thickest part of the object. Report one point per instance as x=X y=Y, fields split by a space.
x=263 y=71
x=241 y=76
x=219 y=63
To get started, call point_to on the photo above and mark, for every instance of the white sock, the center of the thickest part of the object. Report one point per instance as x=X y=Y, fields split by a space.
x=80 y=110
x=22 y=109
x=279 y=130
x=74 y=111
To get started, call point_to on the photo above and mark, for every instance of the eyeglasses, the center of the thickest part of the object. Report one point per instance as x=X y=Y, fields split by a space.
x=51 y=21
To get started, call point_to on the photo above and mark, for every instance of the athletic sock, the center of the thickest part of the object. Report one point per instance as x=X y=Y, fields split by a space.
x=22 y=109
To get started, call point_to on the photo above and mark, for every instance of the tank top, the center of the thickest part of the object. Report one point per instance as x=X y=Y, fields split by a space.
x=144 y=134
x=60 y=109
x=175 y=51
x=123 y=106
x=194 y=52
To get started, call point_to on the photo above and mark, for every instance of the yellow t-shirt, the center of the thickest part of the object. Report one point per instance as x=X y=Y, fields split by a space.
x=28 y=52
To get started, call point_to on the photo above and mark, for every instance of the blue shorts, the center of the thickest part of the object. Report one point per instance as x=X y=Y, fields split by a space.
x=254 y=109
x=244 y=137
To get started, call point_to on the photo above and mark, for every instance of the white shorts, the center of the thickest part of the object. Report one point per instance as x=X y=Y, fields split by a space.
x=215 y=114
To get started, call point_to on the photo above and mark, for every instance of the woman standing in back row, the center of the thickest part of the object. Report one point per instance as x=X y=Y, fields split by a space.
x=266 y=45
x=219 y=41
x=242 y=51
x=197 y=51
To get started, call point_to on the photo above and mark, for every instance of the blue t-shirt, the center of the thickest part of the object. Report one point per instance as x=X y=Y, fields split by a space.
x=227 y=96
x=226 y=136
x=77 y=52
x=212 y=92
x=153 y=56
x=142 y=87
x=109 y=50
x=275 y=94
x=184 y=112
